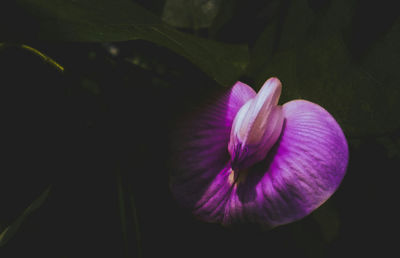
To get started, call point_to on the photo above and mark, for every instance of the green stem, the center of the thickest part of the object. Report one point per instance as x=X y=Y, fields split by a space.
x=36 y=52
x=136 y=221
x=122 y=210
x=121 y=204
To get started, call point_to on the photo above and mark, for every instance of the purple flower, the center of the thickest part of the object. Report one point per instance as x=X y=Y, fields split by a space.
x=246 y=159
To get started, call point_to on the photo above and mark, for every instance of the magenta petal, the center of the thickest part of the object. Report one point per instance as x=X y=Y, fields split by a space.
x=202 y=154
x=300 y=173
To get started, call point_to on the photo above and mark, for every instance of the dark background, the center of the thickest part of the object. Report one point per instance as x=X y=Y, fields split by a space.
x=108 y=119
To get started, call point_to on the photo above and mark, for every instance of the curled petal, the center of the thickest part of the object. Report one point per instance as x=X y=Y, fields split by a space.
x=262 y=106
x=301 y=172
x=256 y=127
x=202 y=154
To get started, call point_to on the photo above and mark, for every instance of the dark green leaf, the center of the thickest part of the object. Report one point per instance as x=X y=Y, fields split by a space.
x=193 y=14
x=122 y=20
x=225 y=13
x=10 y=231
x=308 y=52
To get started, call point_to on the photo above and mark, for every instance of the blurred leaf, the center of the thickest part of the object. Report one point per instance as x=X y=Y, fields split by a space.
x=190 y=14
x=90 y=86
x=328 y=220
x=10 y=231
x=225 y=13
x=307 y=51
x=391 y=145
x=122 y=20
x=243 y=21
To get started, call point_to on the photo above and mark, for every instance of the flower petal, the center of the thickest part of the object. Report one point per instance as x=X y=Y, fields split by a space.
x=301 y=172
x=261 y=108
x=201 y=158
x=256 y=126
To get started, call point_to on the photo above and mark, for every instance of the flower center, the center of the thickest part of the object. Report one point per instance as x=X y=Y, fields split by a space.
x=256 y=127
x=237 y=177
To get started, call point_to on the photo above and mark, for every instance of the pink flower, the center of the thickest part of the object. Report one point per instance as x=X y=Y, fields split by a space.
x=246 y=159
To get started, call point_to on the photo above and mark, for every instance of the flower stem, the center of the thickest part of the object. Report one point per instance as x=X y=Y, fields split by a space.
x=121 y=204
x=124 y=221
x=36 y=52
x=136 y=223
